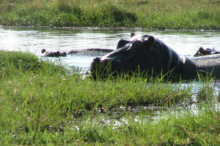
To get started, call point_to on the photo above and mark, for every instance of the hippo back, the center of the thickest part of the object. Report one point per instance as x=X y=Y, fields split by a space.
x=208 y=64
x=145 y=54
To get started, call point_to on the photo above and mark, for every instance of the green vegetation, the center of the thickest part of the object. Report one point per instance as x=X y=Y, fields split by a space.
x=44 y=104
x=159 y=14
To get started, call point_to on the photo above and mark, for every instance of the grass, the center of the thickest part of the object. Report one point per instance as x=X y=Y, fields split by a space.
x=151 y=14
x=44 y=104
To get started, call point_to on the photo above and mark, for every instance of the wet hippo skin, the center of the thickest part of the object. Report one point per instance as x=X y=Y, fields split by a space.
x=154 y=58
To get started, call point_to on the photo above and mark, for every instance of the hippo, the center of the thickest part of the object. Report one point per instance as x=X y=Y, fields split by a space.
x=208 y=51
x=53 y=54
x=90 y=51
x=124 y=42
x=152 y=58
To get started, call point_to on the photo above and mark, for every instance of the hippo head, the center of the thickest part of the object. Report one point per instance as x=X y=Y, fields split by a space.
x=43 y=50
x=140 y=56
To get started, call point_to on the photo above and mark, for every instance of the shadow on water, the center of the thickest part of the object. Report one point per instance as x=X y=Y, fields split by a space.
x=33 y=40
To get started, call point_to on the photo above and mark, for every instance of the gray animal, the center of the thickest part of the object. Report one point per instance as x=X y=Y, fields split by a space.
x=208 y=51
x=152 y=57
x=124 y=42
x=53 y=54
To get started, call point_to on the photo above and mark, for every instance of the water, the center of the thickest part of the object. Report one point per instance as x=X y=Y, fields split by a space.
x=34 y=40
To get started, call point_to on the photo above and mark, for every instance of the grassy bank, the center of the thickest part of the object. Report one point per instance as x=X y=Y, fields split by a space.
x=159 y=14
x=43 y=104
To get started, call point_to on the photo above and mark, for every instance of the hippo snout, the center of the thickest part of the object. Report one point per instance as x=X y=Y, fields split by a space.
x=97 y=60
x=100 y=68
x=95 y=66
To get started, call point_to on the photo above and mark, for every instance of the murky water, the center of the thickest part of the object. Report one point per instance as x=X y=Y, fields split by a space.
x=33 y=40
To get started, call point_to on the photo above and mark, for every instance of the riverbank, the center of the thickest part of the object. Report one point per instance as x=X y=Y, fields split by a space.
x=44 y=104
x=184 y=14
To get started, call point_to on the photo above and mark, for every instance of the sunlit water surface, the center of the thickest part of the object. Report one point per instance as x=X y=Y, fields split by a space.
x=34 y=40
x=185 y=43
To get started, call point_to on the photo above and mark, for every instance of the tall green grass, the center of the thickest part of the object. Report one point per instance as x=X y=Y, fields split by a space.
x=159 y=14
x=17 y=63
x=43 y=104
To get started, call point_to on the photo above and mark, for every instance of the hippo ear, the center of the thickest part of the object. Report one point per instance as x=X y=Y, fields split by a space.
x=201 y=49
x=150 y=41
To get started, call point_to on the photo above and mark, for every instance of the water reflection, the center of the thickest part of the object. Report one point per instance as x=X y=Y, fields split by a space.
x=184 y=43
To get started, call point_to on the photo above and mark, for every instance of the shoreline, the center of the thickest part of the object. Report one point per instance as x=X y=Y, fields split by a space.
x=107 y=28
